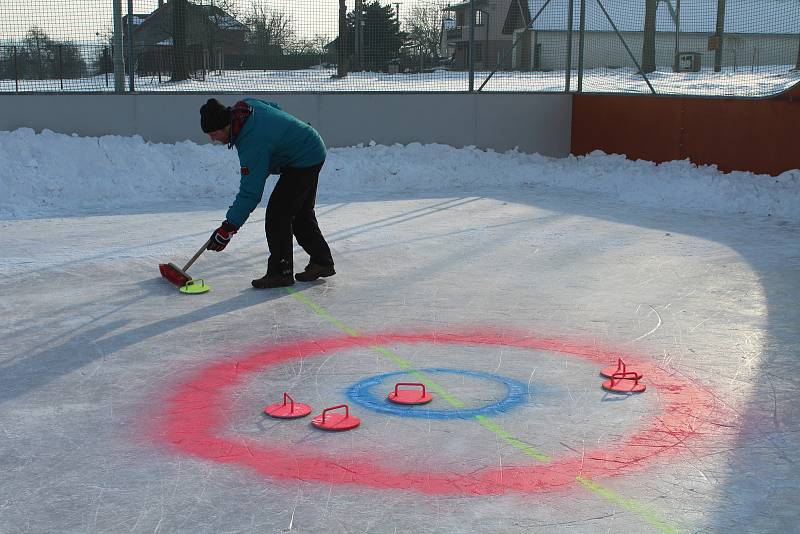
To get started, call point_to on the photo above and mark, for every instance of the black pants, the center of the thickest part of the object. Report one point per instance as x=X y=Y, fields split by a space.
x=290 y=211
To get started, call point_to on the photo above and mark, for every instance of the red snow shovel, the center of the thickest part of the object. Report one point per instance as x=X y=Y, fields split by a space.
x=177 y=276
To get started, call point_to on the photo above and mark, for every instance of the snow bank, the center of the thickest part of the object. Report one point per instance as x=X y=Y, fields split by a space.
x=56 y=174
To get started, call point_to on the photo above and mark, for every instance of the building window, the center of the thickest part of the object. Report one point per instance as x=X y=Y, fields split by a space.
x=479 y=18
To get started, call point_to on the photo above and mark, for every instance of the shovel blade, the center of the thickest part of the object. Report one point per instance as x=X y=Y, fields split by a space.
x=173 y=274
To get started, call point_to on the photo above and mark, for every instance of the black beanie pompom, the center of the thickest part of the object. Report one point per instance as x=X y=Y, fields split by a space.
x=214 y=116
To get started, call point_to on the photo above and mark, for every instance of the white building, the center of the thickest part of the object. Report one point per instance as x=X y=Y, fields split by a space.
x=756 y=33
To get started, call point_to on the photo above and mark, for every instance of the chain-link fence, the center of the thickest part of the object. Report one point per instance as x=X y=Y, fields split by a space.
x=699 y=47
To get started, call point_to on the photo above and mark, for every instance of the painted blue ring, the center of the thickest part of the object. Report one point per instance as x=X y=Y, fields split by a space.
x=361 y=393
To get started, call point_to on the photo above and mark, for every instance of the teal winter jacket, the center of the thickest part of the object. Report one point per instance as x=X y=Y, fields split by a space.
x=269 y=141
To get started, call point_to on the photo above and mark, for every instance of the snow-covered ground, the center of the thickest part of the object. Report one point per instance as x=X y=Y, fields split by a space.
x=744 y=81
x=126 y=406
x=51 y=174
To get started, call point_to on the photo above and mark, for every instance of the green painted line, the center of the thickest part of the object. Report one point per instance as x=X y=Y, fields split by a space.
x=322 y=312
x=511 y=440
x=628 y=504
x=401 y=362
x=607 y=493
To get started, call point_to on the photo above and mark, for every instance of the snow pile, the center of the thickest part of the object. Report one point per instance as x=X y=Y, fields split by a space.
x=56 y=174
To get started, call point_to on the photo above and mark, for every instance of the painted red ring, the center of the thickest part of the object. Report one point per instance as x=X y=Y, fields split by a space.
x=194 y=421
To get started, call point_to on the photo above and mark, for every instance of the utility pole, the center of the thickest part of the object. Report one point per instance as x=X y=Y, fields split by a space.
x=397 y=11
x=119 y=63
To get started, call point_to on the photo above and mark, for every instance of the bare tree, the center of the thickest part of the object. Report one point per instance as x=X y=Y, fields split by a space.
x=649 y=38
x=314 y=45
x=424 y=28
x=268 y=29
x=40 y=57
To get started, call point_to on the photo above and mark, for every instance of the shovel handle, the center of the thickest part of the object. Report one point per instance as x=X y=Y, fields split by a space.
x=197 y=255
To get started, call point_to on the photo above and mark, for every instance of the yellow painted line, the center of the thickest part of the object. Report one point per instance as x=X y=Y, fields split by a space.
x=607 y=493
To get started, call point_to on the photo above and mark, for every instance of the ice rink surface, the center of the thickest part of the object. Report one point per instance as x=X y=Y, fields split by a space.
x=126 y=406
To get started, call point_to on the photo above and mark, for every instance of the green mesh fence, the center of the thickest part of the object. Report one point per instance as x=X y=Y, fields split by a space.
x=694 y=47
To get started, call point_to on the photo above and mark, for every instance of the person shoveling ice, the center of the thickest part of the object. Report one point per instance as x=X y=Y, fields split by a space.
x=271 y=141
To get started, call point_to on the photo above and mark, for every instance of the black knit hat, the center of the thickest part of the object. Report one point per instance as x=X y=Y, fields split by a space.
x=214 y=116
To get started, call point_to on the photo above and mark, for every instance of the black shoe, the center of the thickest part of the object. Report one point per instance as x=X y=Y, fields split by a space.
x=273 y=280
x=314 y=271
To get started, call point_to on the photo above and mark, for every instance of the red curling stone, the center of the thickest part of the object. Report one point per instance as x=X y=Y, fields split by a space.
x=608 y=372
x=336 y=421
x=410 y=396
x=624 y=383
x=287 y=410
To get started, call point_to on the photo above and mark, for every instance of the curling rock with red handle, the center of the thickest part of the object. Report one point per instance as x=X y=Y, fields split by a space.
x=336 y=421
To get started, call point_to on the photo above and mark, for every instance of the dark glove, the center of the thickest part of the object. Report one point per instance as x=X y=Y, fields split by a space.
x=222 y=236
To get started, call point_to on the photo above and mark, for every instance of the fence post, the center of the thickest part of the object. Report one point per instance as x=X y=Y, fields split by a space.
x=105 y=63
x=61 y=66
x=570 y=7
x=359 y=63
x=471 y=45
x=341 y=43
x=797 y=65
x=16 y=70
x=677 y=35
x=581 y=39
x=131 y=53
x=116 y=50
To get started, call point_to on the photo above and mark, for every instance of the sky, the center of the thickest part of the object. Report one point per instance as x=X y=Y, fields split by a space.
x=82 y=19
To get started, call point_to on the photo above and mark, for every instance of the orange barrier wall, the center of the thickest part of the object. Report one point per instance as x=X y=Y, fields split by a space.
x=757 y=135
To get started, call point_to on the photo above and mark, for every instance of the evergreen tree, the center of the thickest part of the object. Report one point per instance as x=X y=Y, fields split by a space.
x=381 y=36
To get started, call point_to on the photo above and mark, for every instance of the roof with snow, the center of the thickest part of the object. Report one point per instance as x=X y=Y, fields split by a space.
x=222 y=19
x=696 y=16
